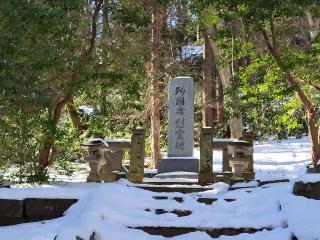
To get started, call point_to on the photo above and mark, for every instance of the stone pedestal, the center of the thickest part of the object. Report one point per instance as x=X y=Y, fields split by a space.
x=178 y=164
x=107 y=176
x=180 y=128
x=95 y=166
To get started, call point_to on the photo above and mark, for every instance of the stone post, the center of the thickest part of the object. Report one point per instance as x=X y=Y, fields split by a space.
x=206 y=154
x=137 y=154
x=248 y=137
x=225 y=160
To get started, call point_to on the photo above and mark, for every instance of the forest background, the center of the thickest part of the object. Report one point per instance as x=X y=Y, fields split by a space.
x=74 y=69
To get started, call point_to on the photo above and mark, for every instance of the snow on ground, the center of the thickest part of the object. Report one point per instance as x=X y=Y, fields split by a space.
x=108 y=209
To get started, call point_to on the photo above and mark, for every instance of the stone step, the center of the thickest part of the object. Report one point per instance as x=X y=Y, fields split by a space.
x=261 y=183
x=171 y=175
x=209 y=201
x=172 y=183
x=212 y=232
x=174 y=189
x=178 y=212
x=205 y=200
x=177 y=199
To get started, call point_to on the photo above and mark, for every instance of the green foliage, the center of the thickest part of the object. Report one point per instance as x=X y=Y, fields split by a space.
x=44 y=57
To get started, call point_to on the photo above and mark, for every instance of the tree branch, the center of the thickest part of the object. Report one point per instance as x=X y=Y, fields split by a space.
x=273 y=35
x=287 y=74
x=317 y=87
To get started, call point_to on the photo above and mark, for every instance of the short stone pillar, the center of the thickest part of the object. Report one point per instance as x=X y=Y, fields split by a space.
x=206 y=153
x=137 y=154
x=248 y=137
x=249 y=172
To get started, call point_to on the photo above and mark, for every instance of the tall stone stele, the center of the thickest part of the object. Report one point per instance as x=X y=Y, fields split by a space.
x=180 y=128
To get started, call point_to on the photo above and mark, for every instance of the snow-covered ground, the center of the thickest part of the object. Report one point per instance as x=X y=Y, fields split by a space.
x=109 y=209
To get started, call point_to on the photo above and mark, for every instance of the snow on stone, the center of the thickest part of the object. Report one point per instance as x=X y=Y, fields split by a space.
x=305 y=178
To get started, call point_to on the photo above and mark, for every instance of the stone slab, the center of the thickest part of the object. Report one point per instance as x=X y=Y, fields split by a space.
x=176 y=164
x=169 y=232
x=309 y=190
x=180 y=117
x=7 y=221
x=172 y=183
x=311 y=169
x=37 y=209
x=113 y=160
x=10 y=208
x=174 y=189
x=189 y=175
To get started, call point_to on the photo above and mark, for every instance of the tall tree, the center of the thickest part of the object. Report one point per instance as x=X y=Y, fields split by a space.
x=156 y=43
x=286 y=49
x=54 y=113
x=208 y=82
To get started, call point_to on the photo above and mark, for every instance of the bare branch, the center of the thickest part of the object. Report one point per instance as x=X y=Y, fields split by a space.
x=98 y=5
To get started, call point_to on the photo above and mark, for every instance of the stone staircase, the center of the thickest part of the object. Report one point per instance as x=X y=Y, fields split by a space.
x=179 y=187
x=184 y=193
x=171 y=231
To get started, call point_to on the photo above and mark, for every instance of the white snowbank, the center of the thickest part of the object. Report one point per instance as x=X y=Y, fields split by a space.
x=108 y=209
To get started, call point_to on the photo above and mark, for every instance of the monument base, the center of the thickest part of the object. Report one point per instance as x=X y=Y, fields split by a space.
x=178 y=164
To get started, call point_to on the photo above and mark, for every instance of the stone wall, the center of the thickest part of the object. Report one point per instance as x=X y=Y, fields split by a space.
x=32 y=209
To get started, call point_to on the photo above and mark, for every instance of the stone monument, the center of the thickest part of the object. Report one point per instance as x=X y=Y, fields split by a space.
x=180 y=128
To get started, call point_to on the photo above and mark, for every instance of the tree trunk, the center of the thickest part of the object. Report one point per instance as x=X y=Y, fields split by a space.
x=50 y=138
x=235 y=122
x=44 y=153
x=220 y=103
x=157 y=19
x=207 y=84
x=313 y=129
x=74 y=117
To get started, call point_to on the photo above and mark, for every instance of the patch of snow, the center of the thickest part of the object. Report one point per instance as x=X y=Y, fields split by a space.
x=108 y=209
x=86 y=109
x=303 y=216
x=190 y=50
x=311 y=177
x=245 y=184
